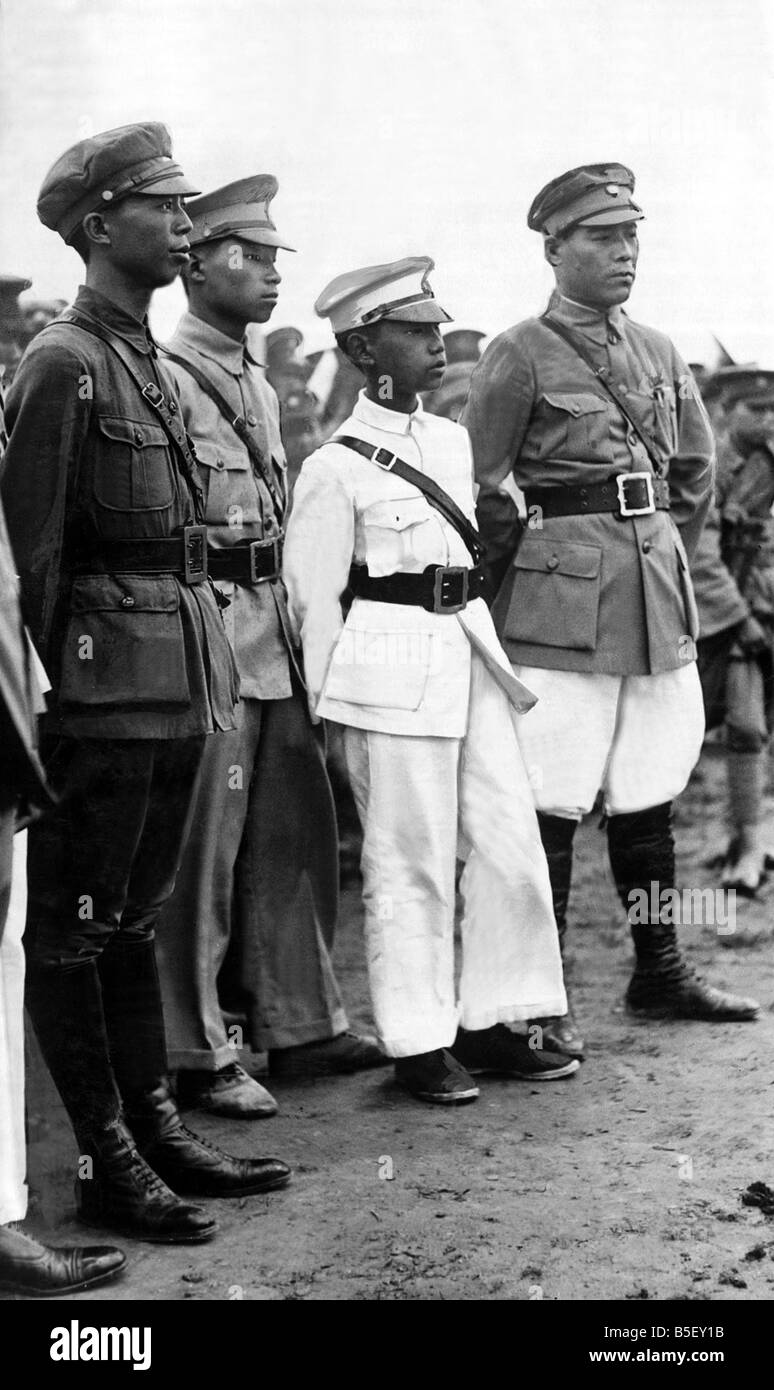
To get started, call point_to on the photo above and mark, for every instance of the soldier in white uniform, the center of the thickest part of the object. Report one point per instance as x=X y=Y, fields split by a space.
x=417 y=677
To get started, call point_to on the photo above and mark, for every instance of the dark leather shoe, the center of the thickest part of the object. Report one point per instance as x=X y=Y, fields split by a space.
x=190 y=1164
x=45 y=1271
x=124 y=1194
x=195 y=1167
x=437 y=1077
x=689 y=997
x=502 y=1053
x=560 y=1034
x=338 y=1056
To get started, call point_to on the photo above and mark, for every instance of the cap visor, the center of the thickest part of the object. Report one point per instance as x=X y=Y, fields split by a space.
x=176 y=183
x=611 y=217
x=255 y=236
x=426 y=311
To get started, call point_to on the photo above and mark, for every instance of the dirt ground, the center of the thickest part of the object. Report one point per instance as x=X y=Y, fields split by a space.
x=623 y=1181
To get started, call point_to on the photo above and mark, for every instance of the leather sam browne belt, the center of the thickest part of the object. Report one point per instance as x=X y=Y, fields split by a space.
x=626 y=495
x=438 y=589
x=188 y=557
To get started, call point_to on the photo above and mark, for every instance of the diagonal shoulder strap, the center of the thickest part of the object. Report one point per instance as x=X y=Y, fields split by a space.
x=239 y=425
x=435 y=495
x=151 y=392
x=646 y=436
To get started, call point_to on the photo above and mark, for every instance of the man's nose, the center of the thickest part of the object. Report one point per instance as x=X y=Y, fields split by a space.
x=183 y=222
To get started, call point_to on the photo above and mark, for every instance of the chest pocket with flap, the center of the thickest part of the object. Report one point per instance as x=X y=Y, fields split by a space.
x=133 y=467
x=402 y=532
x=576 y=423
x=230 y=490
x=555 y=596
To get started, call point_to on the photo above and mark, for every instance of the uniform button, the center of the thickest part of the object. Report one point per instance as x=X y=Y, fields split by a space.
x=632 y=440
x=127 y=601
x=623 y=388
x=251 y=420
x=173 y=406
x=138 y=436
x=220 y=465
x=553 y=563
x=647 y=546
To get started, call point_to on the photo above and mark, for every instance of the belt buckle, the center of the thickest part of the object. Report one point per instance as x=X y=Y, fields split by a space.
x=387 y=460
x=153 y=395
x=275 y=544
x=445 y=575
x=623 y=508
x=194 y=554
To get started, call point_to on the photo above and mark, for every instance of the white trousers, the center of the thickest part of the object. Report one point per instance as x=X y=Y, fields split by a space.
x=13 y=1163
x=419 y=800
x=635 y=737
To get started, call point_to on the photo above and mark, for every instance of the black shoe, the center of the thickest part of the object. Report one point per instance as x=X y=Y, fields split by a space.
x=687 y=997
x=192 y=1165
x=502 y=1053
x=339 y=1056
x=560 y=1034
x=45 y=1271
x=124 y=1194
x=437 y=1077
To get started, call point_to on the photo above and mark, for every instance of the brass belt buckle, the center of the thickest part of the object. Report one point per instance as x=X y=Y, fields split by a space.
x=445 y=600
x=194 y=554
x=623 y=508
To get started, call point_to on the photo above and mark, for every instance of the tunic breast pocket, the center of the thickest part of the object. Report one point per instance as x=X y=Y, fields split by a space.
x=230 y=489
x=133 y=469
x=402 y=533
x=576 y=425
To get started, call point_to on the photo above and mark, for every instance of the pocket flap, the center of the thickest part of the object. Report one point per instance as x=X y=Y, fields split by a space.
x=559 y=557
x=102 y=593
x=220 y=458
x=141 y=434
x=397 y=514
x=575 y=402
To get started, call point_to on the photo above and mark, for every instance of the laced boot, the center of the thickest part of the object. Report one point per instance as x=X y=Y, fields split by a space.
x=115 y=1188
x=642 y=857
x=135 y=1024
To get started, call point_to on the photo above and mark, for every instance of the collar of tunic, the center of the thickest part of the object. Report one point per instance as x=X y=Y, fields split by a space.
x=596 y=324
x=380 y=418
x=134 y=331
x=229 y=354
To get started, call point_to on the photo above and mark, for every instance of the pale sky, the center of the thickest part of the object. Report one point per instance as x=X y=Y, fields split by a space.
x=400 y=127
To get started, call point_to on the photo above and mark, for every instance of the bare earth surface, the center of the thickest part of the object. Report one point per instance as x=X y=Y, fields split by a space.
x=623 y=1181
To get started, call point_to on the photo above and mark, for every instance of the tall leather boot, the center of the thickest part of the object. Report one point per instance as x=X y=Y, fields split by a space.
x=135 y=1025
x=120 y=1191
x=642 y=857
x=559 y=1034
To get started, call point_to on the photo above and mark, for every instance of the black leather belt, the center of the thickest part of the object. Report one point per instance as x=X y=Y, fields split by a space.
x=439 y=588
x=247 y=564
x=627 y=495
x=184 y=555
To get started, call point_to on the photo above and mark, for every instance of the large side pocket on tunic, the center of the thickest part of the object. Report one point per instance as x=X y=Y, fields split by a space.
x=386 y=669
x=124 y=643
x=555 y=597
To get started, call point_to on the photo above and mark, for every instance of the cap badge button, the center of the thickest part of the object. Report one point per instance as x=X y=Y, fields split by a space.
x=107 y=195
x=613 y=189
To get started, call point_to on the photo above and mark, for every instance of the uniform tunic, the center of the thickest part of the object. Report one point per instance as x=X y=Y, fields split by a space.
x=427 y=702
x=596 y=602
x=259 y=877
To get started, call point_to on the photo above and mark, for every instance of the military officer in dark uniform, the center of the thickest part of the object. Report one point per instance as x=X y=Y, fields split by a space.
x=104 y=515
x=599 y=422
x=733 y=575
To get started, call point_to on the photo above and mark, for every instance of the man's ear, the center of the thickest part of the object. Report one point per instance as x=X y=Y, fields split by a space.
x=94 y=229
x=552 y=250
x=359 y=351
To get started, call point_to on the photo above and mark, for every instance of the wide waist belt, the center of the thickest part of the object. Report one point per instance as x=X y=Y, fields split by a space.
x=247 y=564
x=439 y=588
x=627 y=495
x=184 y=555
x=188 y=557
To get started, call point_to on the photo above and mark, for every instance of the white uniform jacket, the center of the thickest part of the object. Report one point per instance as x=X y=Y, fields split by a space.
x=392 y=668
